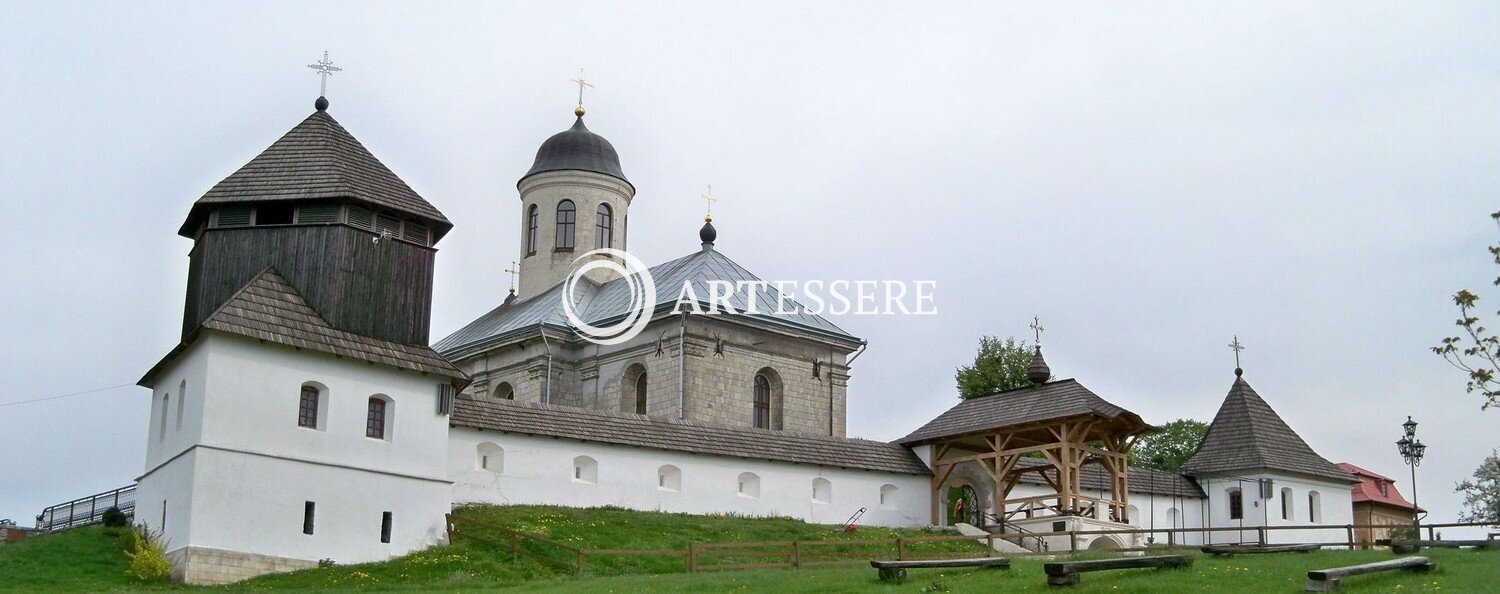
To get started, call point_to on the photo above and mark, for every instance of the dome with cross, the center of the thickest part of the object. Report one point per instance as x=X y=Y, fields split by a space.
x=577 y=149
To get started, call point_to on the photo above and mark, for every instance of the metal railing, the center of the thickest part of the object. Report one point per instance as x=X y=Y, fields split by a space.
x=86 y=510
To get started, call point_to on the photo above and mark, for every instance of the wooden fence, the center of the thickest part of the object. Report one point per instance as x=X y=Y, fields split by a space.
x=797 y=554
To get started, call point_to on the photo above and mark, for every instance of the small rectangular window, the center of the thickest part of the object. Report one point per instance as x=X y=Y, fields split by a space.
x=232 y=216
x=317 y=213
x=361 y=217
x=307 y=517
x=385 y=224
x=274 y=214
x=385 y=527
x=415 y=233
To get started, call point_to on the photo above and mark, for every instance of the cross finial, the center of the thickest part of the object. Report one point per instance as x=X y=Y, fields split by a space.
x=1036 y=327
x=709 y=197
x=1236 y=347
x=582 y=82
x=324 y=68
x=512 y=272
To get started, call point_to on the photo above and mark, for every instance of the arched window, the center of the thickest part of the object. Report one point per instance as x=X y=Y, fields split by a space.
x=307 y=408
x=181 y=399
x=1314 y=509
x=604 y=226
x=1236 y=505
x=762 y=402
x=166 y=403
x=531 y=229
x=585 y=470
x=888 y=496
x=1172 y=517
x=634 y=389
x=1132 y=514
x=504 y=391
x=378 y=418
x=749 y=485
x=669 y=478
x=567 y=216
x=1286 y=503
x=490 y=457
x=822 y=490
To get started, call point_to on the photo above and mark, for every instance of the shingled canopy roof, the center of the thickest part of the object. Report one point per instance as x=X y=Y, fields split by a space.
x=641 y=431
x=1060 y=399
x=269 y=309
x=317 y=159
x=1247 y=436
x=1142 y=480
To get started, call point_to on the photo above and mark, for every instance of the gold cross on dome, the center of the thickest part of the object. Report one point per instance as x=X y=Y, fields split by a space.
x=325 y=69
x=1036 y=326
x=512 y=272
x=582 y=82
x=1236 y=347
x=709 y=197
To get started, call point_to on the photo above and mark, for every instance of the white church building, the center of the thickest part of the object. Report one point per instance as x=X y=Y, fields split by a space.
x=304 y=416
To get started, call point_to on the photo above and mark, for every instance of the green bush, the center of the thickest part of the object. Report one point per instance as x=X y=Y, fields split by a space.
x=148 y=557
x=114 y=518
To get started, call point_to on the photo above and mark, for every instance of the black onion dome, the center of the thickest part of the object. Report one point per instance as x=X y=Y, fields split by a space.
x=1038 y=371
x=708 y=234
x=577 y=149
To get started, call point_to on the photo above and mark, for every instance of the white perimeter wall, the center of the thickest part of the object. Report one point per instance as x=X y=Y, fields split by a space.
x=1335 y=509
x=237 y=474
x=539 y=470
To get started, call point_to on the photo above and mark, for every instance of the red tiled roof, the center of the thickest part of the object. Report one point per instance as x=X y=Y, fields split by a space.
x=1368 y=487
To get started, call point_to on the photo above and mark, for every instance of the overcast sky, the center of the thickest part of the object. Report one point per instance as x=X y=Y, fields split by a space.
x=1150 y=179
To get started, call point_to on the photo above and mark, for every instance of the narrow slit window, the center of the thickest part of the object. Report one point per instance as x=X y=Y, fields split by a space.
x=385 y=527
x=308 y=510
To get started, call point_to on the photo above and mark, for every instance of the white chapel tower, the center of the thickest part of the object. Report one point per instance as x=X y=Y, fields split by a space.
x=573 y=199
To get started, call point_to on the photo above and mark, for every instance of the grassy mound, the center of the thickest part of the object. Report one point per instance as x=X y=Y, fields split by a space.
x=89 y=559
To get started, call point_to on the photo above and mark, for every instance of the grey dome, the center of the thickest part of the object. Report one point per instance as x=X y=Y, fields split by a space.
x=578 y=149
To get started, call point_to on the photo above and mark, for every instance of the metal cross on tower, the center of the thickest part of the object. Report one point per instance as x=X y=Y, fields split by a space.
x=1036 y=327
x=512 y=271
x=1236 y=347
x=709 y=197
x=324 y=68
x=581 y=84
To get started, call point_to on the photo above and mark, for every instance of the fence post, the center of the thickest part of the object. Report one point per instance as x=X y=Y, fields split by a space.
x=515 y=547
x=1072 y=541
x=1349 y=531
x=989 y=540
x=1430 y=533
x=578 y=568
x=692 y=564
x=900 y=548
x=1262 y=535
x=797 y=554
x=1172 y=538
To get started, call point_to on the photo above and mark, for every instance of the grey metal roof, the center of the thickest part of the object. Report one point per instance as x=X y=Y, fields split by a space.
x=1247 y=436
x=269 y=309
x=602 y=303
x=1052 y=400
x=318 y=159
x=577 y=149
x=1142 y=479
x=641 y=431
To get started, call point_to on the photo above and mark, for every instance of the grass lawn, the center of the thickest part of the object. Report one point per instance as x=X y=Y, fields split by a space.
x=90 y=559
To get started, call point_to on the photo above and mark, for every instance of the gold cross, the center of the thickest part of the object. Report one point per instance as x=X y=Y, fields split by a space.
x=709 y=196
x=1236 y=347
x=581 y=84
x=512 y=272
x=1036 y=326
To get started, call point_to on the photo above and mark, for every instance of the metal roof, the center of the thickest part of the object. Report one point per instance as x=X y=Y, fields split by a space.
x=601 y=303
x=1053 y=400
x=269 y=309
x=1247 y=436
x=577 y=149
x=510 y=416
x=317 y=159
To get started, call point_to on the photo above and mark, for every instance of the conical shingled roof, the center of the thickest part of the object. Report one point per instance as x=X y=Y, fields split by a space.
x=1247 y=436
x=318 y=159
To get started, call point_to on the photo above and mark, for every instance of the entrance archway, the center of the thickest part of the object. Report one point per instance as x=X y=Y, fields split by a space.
x=963 y=506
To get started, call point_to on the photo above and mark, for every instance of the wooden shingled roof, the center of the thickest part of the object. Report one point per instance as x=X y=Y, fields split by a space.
x=269 y=309
x=641 y=431
x=318 y=159
x=1247 y=436
x=1059 y=399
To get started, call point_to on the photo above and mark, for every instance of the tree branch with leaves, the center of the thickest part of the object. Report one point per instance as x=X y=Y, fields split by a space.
x=1476 y=351
x=999 y=365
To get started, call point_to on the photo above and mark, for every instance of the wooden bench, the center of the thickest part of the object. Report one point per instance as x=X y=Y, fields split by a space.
x=1402 y=547
x=895 y=571
x=1227 y=550
x=1065 y=573
x=1327 y=580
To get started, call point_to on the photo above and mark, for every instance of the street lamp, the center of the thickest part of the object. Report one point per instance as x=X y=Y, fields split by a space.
x=1412 y=450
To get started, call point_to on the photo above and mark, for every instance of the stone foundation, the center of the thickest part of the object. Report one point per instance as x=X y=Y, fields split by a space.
x=205 y=566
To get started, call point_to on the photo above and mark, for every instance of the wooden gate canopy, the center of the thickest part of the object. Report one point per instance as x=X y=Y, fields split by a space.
x=1061 y=422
